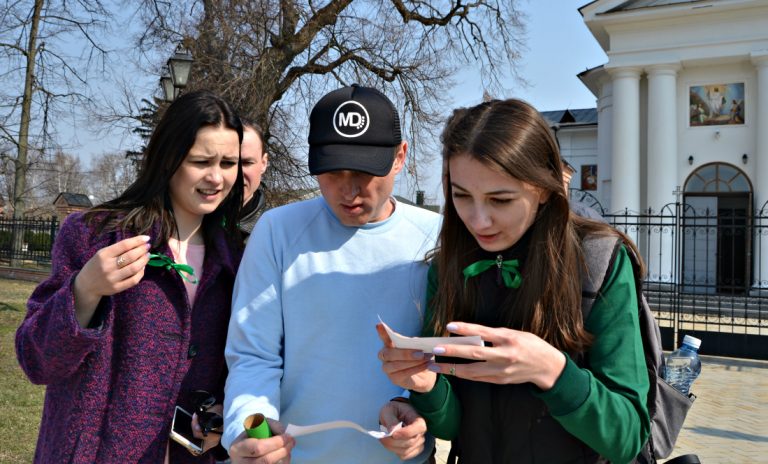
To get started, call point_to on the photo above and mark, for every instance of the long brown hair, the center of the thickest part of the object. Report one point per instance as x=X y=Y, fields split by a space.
x=511 y=137
x=147 y=200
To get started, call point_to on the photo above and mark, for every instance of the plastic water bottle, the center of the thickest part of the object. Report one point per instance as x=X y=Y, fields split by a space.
x=684 y=365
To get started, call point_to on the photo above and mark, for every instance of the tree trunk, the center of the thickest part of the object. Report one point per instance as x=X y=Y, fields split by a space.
x=20 y=164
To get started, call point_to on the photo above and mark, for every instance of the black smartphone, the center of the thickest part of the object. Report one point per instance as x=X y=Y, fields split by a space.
x=181 y=432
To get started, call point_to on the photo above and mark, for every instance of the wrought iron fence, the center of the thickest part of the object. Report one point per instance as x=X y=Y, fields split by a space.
x=707 y=275
x=707 y=270
x=27 y=242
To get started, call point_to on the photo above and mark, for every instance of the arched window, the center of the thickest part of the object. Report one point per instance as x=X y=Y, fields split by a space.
x=717 y=178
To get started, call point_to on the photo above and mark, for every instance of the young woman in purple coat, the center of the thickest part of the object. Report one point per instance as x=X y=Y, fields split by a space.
x=133 y=319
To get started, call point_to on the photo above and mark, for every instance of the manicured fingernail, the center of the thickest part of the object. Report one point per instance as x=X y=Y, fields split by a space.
x=434 y=368
x=147 y=246
x=438 y=350
x=145 y=237
x=452 y=327
x=418 y=355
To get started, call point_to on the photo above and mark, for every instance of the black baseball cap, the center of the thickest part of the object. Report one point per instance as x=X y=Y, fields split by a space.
x=354 y=128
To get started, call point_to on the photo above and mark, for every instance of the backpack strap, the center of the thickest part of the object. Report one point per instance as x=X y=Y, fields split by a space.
x=600 y=252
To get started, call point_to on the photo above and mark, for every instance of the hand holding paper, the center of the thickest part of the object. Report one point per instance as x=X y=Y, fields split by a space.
x=407 y=442
x=426 y=344
x=406 y=360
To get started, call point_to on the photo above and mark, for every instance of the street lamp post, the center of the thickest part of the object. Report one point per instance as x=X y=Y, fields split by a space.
x=175 y=79
x=166 y=84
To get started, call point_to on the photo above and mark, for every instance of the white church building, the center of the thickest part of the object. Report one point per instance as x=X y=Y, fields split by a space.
x=680 y=129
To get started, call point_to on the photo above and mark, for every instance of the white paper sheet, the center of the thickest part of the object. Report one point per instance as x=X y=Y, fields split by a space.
x=299 y=430
x=426 y=344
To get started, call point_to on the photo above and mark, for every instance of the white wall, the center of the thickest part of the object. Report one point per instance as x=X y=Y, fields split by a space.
x=578 y=145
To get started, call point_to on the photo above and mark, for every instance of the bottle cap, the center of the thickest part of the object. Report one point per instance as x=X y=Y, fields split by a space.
x=692 y=341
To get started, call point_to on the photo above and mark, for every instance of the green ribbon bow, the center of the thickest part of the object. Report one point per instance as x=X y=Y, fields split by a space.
x=508 y=269
x=160 y=260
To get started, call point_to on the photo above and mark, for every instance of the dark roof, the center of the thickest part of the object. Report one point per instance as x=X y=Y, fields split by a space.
x=75 y=199
x=638 y=4
x=584 y=116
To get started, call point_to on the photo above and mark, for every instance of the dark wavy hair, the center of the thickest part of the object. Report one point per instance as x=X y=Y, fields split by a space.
x=512 y=138
x=147 y=201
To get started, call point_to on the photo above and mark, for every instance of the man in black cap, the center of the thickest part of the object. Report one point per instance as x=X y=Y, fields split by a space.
x=316 y=276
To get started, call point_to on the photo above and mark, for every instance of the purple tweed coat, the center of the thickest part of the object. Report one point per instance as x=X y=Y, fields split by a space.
x=111 y=390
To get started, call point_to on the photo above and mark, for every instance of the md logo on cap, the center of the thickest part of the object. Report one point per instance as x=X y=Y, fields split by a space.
x=351 y=119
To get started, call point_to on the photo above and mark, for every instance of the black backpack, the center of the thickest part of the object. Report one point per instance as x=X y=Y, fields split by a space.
x=667 y=406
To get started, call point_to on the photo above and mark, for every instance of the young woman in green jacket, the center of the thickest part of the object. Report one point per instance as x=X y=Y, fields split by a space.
x=548 y=386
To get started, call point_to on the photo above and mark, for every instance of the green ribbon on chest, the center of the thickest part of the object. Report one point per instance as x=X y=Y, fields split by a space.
x=184 y=270
x=509 y=270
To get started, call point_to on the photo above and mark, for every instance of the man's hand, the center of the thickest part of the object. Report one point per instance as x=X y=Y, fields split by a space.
x=273 y=450
x=408 y=442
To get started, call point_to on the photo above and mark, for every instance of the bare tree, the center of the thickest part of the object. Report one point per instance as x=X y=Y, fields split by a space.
x=45 y=73
x=47 y=177
x=274 y=58
x=62 y=173
x=110 y=175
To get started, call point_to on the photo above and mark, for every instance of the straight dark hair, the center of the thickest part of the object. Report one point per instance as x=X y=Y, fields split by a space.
x=147 y=201
x=512 y=138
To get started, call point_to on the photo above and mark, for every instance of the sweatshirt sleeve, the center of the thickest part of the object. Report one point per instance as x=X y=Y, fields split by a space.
x=440 y=406
x=605 y=405
x=254 y=340
x=50 y=344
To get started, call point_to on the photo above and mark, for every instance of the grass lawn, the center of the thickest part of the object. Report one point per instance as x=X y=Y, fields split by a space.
x=20 y=401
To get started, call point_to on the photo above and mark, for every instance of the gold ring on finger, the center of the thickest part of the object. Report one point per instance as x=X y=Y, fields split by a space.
x=121 y=263
x=453 y=369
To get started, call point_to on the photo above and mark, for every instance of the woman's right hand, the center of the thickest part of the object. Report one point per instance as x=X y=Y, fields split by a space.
x=111 y=270
x=405 y=368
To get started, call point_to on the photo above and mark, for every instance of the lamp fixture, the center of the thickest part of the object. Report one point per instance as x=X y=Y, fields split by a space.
x=180 y=64
x=690 y=160
x=176 y=75
x=744 y=158
x=166 y=83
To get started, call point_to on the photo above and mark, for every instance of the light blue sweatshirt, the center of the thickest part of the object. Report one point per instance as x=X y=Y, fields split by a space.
x=302 y=344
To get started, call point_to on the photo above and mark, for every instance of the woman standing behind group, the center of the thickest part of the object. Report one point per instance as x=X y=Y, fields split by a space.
x=548 y=387
x=121 y=337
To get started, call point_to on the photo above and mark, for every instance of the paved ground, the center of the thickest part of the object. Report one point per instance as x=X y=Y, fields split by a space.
x=728 y=423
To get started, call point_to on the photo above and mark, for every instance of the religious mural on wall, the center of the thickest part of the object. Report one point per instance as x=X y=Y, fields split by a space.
x=716 y=104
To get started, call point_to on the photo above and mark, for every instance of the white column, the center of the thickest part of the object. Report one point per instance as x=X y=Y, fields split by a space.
x=761 y=128
x=625 y=146
x=760 y=60
x=604 y=137
x=661 y=167
x=662 y=135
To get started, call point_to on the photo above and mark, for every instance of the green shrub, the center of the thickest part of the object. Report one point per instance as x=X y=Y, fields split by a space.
x=5 y=239
x=37 y=241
